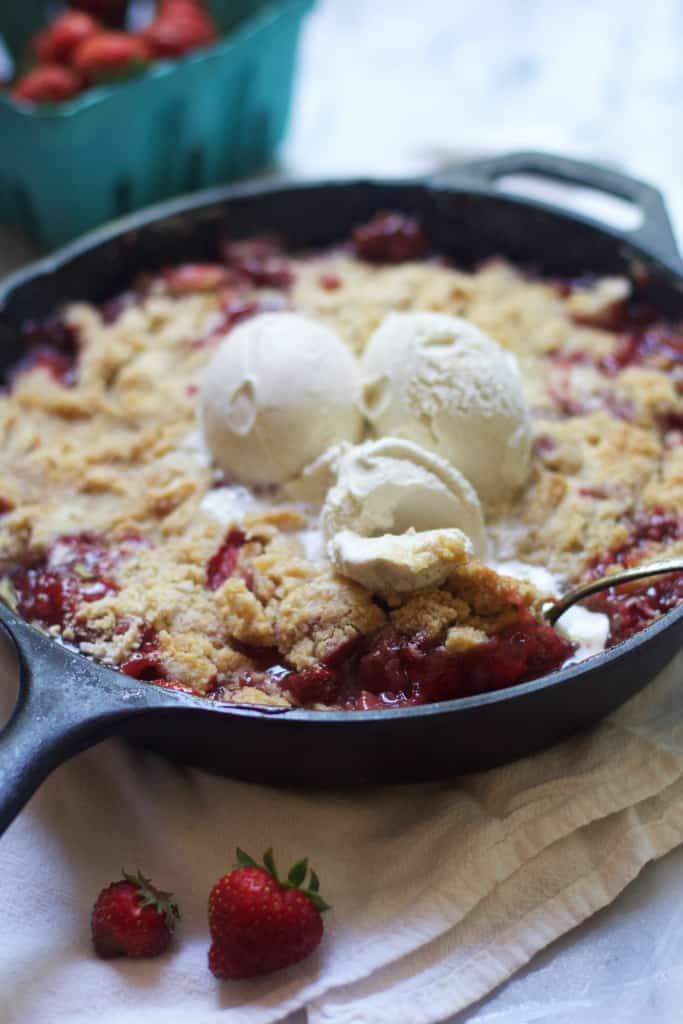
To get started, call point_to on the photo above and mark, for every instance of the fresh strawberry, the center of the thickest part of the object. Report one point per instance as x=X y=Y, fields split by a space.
x=132 y=918
x=113 y=12
x=110 y=55
x=56 y=43
x=179 y=27
x=259 y=923
x=47 y=83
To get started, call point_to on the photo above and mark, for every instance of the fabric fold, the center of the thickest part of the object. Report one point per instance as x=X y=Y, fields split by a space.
x=417 y=875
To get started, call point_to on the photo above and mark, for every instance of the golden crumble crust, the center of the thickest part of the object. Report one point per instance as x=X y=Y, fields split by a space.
x=113 y=455
x=321 y=615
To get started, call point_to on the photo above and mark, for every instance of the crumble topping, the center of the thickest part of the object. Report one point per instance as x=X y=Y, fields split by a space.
x=97 y=447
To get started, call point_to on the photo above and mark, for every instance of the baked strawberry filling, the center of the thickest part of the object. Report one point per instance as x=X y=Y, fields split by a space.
x=76 y=570
x=395 y=670
x=390 y=238
x=239 y=608
x=223 y=564
x=632 y=606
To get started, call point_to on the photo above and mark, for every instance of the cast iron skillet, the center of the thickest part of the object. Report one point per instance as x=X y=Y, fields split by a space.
x=67 y=703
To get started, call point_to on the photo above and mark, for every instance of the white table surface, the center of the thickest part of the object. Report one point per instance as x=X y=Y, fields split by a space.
x=394 y=87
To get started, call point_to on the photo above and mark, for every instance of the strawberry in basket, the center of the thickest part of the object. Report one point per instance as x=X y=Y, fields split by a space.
x=57 y=43
x=110 y=55
x=179 y=27
x=47 y=83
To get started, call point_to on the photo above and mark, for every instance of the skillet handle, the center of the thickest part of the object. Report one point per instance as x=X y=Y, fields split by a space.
x=65 y=704
x=655 y=233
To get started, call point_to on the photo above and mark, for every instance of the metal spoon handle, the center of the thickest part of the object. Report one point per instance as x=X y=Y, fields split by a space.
x=553 y=611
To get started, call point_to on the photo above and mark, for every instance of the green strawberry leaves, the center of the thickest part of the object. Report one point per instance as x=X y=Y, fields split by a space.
x=244 y=860
x=296 y=876
x=150 y=896
x=317 y=901
x=269 y=864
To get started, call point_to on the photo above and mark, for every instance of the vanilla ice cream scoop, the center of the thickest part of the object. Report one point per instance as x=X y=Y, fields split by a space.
x=441 y=382
x=392 y=486
x=399 y=564
x=279 y=390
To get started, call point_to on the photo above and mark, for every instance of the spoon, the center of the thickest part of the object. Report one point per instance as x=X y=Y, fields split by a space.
x=552 y=611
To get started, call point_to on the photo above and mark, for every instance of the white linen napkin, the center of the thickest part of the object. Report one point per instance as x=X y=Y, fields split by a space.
x=439 y=891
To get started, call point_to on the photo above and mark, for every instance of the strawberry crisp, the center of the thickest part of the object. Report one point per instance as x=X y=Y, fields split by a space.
x=122 y=536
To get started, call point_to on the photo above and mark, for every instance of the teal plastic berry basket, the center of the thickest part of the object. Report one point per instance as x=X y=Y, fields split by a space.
x=210 y=117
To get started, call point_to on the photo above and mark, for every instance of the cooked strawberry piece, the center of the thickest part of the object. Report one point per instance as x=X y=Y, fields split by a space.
x=47 y=83
x=61 y=368
x=194 y=277
x=393 y=670
x=402 y=670
x=261 y=260
x=544 y=444
x=657 y=525
x=383 y=667
x=671 y=425
x=390 y=238
x=51 y=345
x=564 y=401
x=566 y=360
x=672 y=421
x=234 y=311
x=630 y=607
x=57 y=43
x=314 y=685
x=52 y=597
x=107 y=56
x=329 y=282
x=658 y=344
x=146 y=663
x=77 y=568
x=641 y=342
x=223 y=564
x=650 y=526
x=45 y=597
x=53 y=332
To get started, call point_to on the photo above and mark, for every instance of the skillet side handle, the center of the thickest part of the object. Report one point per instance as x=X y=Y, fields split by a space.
x=655 y=234
x=64 y=705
